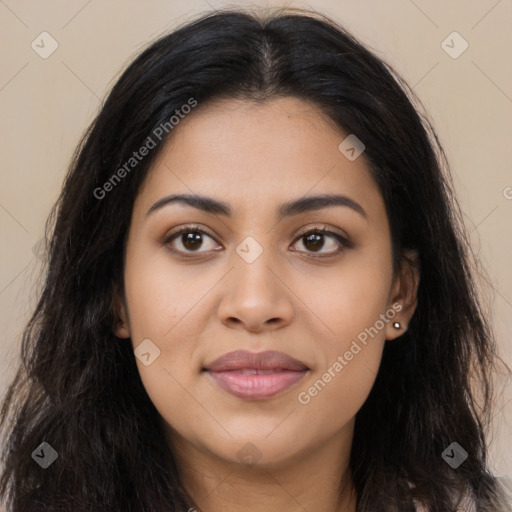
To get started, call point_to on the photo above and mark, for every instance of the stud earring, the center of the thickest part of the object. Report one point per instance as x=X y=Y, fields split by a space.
x=397 y=325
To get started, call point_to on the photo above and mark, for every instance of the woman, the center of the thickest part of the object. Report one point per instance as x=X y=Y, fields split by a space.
x=258 y=294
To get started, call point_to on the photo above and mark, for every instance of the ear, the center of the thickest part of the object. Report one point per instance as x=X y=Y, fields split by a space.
x=121 y=329
x=403 y=297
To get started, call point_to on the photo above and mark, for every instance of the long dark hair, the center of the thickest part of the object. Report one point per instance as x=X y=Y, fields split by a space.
x=78 y=387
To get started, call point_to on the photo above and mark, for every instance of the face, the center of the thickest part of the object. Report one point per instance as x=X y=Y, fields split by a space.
x=269 y=269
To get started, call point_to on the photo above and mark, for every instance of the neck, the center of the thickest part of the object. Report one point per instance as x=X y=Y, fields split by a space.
x=319 y=480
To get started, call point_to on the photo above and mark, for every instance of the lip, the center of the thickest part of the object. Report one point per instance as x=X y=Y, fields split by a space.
x=256 y=375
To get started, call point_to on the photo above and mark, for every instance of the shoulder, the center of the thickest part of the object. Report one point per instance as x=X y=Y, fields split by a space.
x=467 y=505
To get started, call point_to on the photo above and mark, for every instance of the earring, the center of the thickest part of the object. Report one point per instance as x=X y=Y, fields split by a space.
x=397 y=325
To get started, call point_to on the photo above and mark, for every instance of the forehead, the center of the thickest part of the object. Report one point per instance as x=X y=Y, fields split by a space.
x=262 y=153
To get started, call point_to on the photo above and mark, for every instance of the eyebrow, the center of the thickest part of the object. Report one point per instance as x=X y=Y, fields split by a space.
x=288 y=209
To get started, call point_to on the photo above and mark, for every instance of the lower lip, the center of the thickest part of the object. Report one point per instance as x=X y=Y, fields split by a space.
x=256 y=387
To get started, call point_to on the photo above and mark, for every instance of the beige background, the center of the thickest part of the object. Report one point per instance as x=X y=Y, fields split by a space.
x=47 y=103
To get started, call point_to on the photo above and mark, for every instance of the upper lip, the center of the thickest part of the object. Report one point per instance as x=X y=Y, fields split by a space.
x=243 y=359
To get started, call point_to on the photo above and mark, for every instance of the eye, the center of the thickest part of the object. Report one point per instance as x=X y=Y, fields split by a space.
x=190 y=239
x=317 y=239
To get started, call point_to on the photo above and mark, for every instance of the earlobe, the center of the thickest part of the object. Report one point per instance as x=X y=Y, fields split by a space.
x=122 y=330
x=395 y=327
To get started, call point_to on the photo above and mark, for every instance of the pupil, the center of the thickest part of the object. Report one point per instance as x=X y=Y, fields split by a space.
x=316 y=240
x=191 y=240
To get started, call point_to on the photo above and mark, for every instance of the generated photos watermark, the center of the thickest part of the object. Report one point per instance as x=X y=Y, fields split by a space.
x=304 y=397
x=137 y=156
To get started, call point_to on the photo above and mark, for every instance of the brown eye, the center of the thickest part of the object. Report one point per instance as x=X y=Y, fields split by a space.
x=314 y=241
x=320 y=238
x=190 y=240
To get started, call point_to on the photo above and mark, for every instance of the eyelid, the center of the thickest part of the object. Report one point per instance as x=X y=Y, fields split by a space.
x=321 y=228
x=184 y=229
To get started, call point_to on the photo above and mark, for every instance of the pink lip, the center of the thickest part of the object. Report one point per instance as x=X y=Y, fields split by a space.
x=256 y=375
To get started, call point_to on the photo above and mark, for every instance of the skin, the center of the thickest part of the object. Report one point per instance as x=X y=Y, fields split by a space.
x=256 y=156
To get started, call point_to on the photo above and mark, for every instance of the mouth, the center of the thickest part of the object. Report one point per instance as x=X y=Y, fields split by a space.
x=256 y=375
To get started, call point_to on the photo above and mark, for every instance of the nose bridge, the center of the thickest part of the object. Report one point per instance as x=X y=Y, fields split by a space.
x=253 y=262
x=254 y=294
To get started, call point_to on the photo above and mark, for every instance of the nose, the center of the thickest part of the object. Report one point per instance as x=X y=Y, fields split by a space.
x=255 y=296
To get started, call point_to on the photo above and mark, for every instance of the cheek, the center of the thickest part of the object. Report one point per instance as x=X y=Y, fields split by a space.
x=349 y=298
x=170 y=304
x=351 y=304
x=338 y=387
x=333 y=398
x=159 y=295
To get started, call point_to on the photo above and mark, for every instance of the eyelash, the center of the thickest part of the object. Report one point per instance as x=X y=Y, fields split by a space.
x=344 y=242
